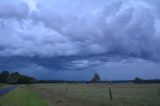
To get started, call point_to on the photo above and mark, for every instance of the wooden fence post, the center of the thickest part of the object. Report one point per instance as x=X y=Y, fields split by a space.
x=66 y=90
x=110 y=94
x=124 y=101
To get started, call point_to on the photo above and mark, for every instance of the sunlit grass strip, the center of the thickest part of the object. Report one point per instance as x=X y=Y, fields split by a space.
x=22 y=96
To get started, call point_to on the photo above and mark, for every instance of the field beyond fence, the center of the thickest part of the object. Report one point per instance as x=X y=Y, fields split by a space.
x=99 y=94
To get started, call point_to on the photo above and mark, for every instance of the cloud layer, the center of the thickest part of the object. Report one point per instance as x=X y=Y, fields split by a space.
x=76 y=35
x=66 y=28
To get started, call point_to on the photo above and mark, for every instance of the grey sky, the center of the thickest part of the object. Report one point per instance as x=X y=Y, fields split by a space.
x=76 y=38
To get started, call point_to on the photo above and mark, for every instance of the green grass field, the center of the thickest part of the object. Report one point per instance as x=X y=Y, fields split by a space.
x=22 y=96
x=98 y=95
x=83 y=95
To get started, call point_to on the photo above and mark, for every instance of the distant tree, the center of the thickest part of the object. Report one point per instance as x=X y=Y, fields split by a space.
x=95 y=78
x=15 y=74
x=13 y=78
x=138 y=80
x=26 y=80
x=3 y=76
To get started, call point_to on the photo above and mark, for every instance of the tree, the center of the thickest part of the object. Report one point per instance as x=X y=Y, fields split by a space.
x=138 y=80
x=3 y=76
x=26 y=80
x=95 y=78
x=15 y=78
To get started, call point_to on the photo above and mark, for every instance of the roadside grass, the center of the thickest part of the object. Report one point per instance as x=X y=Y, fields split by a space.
x=97 y=94
x=3 y=86
x=22 y=96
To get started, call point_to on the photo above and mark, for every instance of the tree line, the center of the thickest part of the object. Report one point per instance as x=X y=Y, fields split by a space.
x=15 y=78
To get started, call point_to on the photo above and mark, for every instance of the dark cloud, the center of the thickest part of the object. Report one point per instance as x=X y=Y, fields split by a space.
x=13 y=10
x=77 y=35
x=122 y=28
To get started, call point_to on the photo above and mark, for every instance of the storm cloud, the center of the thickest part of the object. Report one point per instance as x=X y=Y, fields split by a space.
x=78 y=34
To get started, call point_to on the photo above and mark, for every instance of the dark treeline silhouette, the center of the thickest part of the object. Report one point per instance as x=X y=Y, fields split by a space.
x=15 y=78
x=96 y=79
x=61 y=81
x=139 y=80
x=108 y=82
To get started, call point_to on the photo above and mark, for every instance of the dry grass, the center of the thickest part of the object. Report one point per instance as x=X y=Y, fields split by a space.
x=97 y=94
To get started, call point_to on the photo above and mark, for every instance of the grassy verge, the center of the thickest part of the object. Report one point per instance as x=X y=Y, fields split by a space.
x=3 y=86
x=22 y=96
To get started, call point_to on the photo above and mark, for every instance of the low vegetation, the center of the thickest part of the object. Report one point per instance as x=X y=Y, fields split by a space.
x=22 y=96
x=3 y=85
x=98 y=94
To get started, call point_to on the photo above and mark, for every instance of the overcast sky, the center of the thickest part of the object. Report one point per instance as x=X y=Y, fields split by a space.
x=73 y=39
